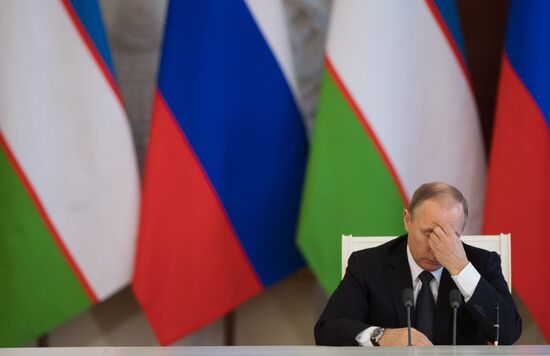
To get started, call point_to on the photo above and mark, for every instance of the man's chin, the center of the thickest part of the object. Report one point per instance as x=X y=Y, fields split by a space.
x=430 y=265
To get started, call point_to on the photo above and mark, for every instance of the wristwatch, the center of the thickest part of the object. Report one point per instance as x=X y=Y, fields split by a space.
x=376 y=336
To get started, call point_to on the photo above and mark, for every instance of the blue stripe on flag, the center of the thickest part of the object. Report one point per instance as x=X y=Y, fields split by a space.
x=90 y=15
x=528 y=48
x=231 y=100
x=449 y=12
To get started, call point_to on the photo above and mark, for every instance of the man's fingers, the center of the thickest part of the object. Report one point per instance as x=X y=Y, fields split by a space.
x=435 y=243
x=423 y=342
x=419 y=339
x=396 y=337
x=440 y=232
x=447 y=230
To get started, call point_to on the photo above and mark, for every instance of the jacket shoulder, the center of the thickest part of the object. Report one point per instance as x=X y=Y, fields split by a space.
x=479 y=257
x=476 y=252
x=381 y=253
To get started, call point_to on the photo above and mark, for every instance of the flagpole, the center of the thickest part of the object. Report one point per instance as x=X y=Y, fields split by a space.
x=43 y=341
x=229 y=329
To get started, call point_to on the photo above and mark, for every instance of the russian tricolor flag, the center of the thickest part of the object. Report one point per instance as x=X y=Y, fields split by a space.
x=224 y=168
x=518 y=189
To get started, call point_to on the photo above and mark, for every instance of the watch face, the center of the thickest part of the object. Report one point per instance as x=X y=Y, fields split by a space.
x=376 y=336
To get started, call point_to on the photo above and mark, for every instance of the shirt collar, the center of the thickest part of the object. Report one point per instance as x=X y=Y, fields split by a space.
x=416 y=269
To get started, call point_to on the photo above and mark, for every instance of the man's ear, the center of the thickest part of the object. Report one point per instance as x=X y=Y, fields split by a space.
x=406 y=219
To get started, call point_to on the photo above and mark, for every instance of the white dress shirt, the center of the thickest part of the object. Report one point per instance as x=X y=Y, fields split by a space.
x=466 y=281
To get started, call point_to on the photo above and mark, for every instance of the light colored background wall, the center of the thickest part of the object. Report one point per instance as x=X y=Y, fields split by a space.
x=284 y=314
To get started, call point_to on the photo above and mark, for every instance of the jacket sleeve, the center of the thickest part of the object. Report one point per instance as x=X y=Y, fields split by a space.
x=342 y=319
x=492 y=288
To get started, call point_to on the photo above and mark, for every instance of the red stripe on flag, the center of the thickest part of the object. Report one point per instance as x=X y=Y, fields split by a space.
x=518 y=190
x=190 y=267
x=93 y=50
x=368 y=130
x=47 y=221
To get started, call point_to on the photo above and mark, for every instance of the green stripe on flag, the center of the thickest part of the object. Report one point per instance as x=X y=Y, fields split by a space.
x=348 y=188
x=38 y=289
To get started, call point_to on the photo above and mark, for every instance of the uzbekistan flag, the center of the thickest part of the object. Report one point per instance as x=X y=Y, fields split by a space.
x=68 y=176
x=224 y=168
x=518 y=186
x=396 y=110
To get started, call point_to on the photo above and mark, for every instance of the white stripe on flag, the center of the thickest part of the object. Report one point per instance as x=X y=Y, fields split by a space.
x=399 y=68
x=271 y=19
x=72 y=138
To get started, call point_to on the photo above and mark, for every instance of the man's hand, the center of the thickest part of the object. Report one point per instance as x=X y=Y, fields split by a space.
x=448 y=249
x=399 y=337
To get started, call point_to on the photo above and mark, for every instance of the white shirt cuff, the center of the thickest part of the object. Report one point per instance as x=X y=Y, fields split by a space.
x=467 y=281
x=363 y=338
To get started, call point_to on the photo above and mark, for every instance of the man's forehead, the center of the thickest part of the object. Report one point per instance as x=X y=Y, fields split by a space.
x=443 y=203
x=428 y=226
x=434 y=211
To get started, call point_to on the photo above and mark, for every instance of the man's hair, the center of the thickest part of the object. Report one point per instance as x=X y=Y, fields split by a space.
x=431 y=190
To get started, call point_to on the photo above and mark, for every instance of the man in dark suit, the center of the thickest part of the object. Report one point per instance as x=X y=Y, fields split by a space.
x=367 y=308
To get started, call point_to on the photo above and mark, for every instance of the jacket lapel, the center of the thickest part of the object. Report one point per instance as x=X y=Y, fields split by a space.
x=399 y=275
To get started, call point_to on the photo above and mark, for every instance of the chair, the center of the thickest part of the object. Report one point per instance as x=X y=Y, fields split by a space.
x=497 y=243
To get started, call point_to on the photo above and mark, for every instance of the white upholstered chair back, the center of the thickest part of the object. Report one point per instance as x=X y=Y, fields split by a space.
x=497 y=243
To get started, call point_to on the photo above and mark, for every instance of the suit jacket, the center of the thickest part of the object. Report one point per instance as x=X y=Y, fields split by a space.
x=370 y=294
